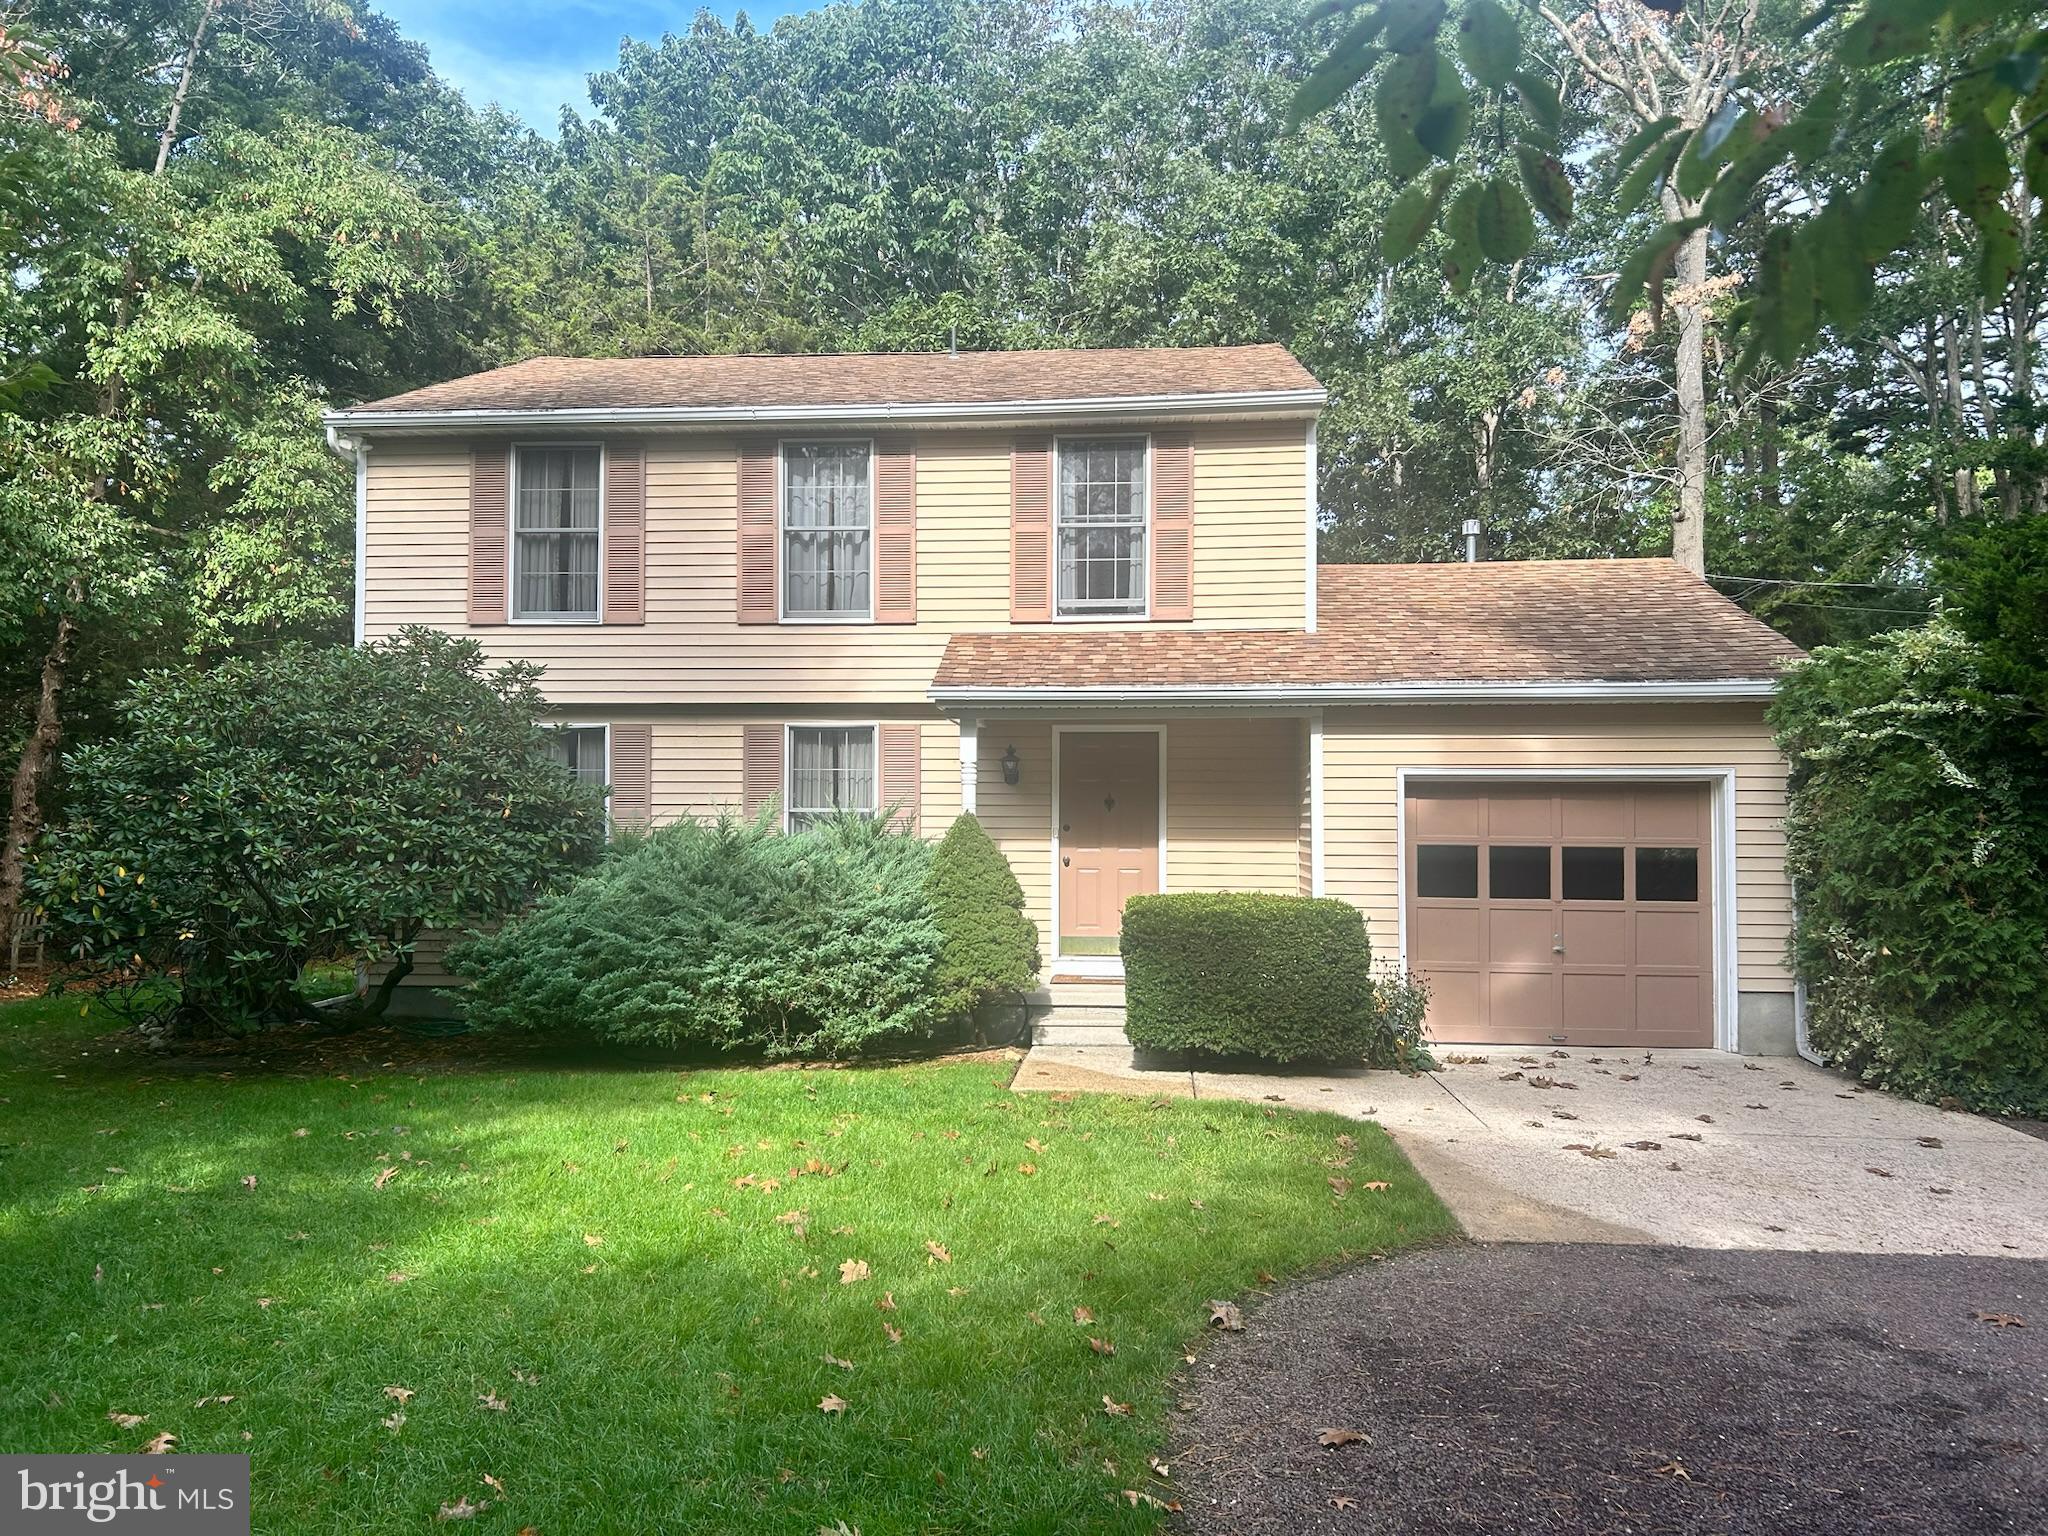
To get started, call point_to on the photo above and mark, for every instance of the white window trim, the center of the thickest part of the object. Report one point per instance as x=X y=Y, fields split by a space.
x=512 y=614
x=592 y=725
x=1137 y=615
x=782 y=613
x=1097 y=965
x=1721 y=783
x=789 y=730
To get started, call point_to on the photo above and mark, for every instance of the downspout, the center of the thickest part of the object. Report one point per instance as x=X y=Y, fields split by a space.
x=1801 y=1041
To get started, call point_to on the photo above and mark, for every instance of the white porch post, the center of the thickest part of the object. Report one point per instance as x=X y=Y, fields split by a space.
x=970 y=749
x=1315 y=802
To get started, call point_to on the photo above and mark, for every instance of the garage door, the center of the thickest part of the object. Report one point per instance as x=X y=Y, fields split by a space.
x=1563 y=914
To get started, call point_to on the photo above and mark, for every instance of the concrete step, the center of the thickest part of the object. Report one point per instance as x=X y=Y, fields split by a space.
x=1059 y=1030
x=1085 y=994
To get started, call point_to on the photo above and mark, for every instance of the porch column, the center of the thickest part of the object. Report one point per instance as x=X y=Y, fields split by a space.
x=1315 y=802
x=970 y=749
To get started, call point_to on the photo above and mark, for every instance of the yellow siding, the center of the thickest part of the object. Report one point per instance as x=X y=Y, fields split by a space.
x=1363 y=748
x=1250 y=571
x=1233 y=805
x=1019 y=817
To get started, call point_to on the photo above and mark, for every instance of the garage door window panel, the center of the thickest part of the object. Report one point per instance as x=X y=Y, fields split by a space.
x=1594 y=874
x=1667 y=874
x=1518 y=872
x=1447 y=871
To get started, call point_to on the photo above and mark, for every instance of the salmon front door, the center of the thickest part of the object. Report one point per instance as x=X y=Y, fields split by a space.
x=1108 y=810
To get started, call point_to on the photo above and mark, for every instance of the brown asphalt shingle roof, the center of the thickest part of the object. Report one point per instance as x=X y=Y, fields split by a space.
x=1509 y=621
x=865 y=378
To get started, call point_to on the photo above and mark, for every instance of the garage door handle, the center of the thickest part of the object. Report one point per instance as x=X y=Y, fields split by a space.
x=1557 y=943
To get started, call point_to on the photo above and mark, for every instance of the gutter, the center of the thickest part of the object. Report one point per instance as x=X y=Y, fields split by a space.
x=1316 y=695
x=1265 y=401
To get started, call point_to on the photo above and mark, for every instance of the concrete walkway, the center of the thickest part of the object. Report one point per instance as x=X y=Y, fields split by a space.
x=1694 y=1148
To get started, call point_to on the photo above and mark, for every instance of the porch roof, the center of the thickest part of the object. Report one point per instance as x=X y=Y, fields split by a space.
x=1504 y=629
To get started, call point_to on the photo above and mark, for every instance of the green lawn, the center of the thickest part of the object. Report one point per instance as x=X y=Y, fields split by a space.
x=619 y=1292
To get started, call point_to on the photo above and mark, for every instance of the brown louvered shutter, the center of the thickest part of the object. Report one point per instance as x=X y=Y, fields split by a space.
x=895 y=531
x=632 y=774
x=759 y=538
x=760 y=766
x=1173 y=526
x=1031 y=530
x=490 y=531
x=902 y=750
x=625 y=533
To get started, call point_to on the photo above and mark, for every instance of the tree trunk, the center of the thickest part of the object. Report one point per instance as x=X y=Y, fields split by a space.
x=1689 y=521
x=25 y=808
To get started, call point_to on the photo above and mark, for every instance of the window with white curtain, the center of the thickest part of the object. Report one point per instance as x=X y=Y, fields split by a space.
x=827 y=528
x=581 y=750
x=831 y=770
x=1102 y=514
x=555 y=533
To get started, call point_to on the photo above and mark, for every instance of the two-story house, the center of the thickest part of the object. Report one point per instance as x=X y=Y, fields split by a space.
x=1077 y=593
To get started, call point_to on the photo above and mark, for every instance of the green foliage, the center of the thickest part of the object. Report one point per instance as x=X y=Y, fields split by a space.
x=1918 y=834
x=1284 y=978
x=1984 y=61
x=1997 y=587
x=727 y=936
x=246 y=819
x=989 y=948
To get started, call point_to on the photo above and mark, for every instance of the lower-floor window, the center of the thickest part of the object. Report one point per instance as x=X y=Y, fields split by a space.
x=831 y=770
x=581 y=750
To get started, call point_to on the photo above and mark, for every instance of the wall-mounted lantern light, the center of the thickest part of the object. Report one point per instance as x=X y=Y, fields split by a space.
x=1011 y=766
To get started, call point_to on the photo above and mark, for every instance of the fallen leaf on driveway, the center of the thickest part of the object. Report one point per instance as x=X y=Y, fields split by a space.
x=1341 y=1437
x=1929 y=1141
x=1704 y=1119
x=1563 y=1114
x=1225 y=1315
x=1673 y=1469
x=1882 y=1173
x=1593 y=1151
x=1511 y=1077
x=1134 y=1497
x=1115 y=1409
x=1342 y=1501
x=852 y=1270
x=2000 y=1319
x=1644 y=1146
x=831 y=1403
x=1935 y=1189
x=1686 y=1136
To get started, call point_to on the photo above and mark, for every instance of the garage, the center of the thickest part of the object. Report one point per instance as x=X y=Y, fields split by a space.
x=1562 y=913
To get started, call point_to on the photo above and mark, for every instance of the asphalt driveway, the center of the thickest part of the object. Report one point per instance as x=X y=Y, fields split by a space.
x=1691 y=1148
x=1590 y=1389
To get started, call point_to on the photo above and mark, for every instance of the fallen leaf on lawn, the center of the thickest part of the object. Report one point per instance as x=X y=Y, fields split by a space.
x=223 y=1398
x=462 y=1509
x=1341 y=1437
x=126 y=1420
x=844 y=1365
x=1339 y=1186
x=395 y=1421
x=1160 y=1468
x=492 y=1401
x=978 y=1452
x=399 y=1395
x=2000 y=1319
x=384 y=1176
x=1102 y=1346
x=525 y=1378
x=851 y=1270
x=302 y=1131
x=1115 y=1409
x=1644 y=1146
x=1375 y=1186
x=248 y=1181
x=938 y=1253
x=492 y=1482
x=887 y=1303
x=1027 y=1168
x=1083 y=1315
x=831 y=1403
x=1196 y=1204
x=1036 y=1145
x=895 y=1333
x=266 y=1302
x=1347 y=1141
x=160 y=1445
x=398 y=1277
x=590 y=1269
x=1225 y=1315
x=592 y=1240
x=1136 y=1496
x=1104 y=1219
x=1265 y=1277
x=956 y=1290
x=1342 y=1501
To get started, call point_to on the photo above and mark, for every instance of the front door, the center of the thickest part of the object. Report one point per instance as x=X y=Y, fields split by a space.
x=1108 y=811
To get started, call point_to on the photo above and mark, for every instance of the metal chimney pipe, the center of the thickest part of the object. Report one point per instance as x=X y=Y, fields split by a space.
x=1471 y=541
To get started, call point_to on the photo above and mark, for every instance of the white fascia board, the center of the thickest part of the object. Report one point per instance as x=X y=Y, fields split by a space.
x=1120 y=696
x=1237 y=403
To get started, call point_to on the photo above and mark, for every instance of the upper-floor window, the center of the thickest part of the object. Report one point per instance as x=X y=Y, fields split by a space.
x=581 y=750
x=1101 y=525
x=827 y=530
x=555 y=514
x=831 y=771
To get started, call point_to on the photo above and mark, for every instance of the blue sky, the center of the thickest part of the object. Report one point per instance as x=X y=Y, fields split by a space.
x=532 y=55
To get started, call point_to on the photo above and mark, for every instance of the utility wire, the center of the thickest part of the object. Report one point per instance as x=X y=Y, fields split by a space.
x=1787 y=581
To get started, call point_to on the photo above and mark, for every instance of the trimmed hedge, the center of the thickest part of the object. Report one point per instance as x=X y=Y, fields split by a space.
x=1286 y=978
x=988 y=948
